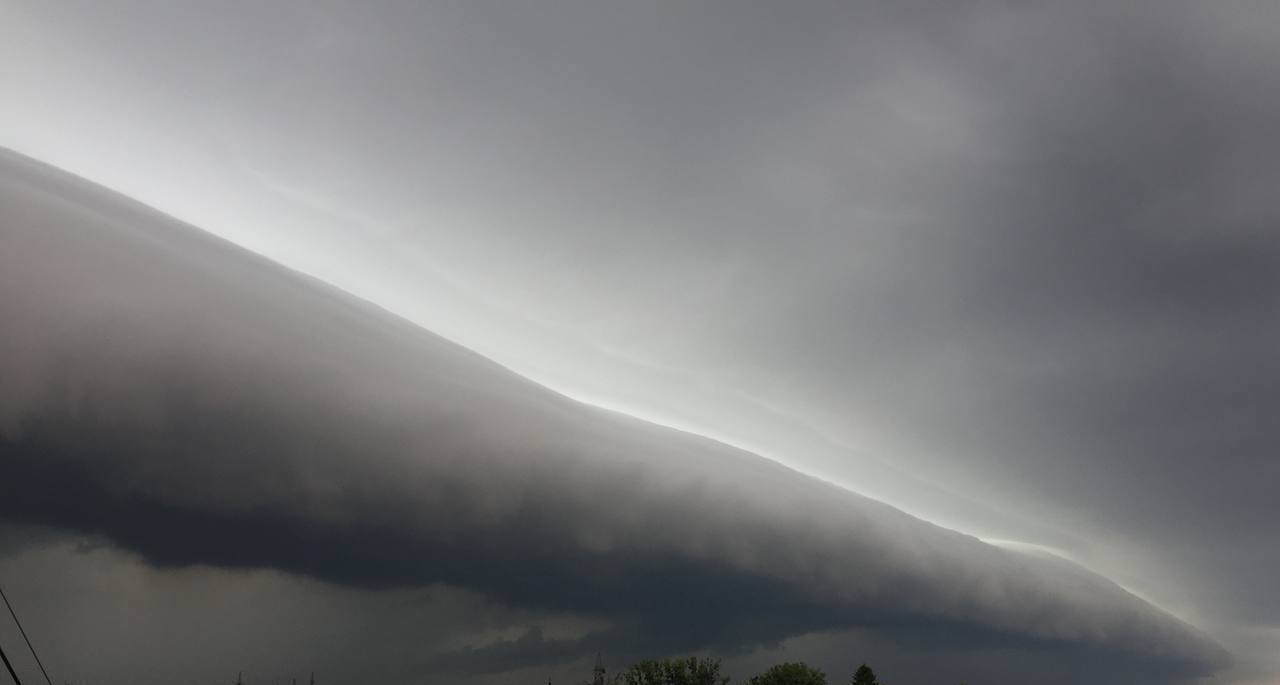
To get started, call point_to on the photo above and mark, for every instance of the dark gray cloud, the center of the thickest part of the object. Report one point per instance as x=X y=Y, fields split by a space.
x=99 y=614
x=198 y=405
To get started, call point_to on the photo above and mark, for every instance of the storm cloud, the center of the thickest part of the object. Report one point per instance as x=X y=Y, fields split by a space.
x=196 y=404
x=1011 y=268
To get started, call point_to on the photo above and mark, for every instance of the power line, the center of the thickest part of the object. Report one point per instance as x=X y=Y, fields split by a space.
x=9 y=666
x=24 y=637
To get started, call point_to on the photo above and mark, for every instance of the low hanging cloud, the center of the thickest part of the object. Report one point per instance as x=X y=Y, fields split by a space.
x=197 y=404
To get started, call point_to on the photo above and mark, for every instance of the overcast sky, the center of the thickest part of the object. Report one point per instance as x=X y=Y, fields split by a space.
x=1013 y=269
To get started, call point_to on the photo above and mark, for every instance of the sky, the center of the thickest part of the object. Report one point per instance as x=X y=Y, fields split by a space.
x=991 y=289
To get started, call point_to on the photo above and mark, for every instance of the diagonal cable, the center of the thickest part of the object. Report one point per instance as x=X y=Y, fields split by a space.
x=24 y=637
x=13 y=674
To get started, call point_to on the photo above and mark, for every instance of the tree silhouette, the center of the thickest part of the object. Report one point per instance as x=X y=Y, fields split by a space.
x=798 y=673
x=690 y=671
x=864 y=676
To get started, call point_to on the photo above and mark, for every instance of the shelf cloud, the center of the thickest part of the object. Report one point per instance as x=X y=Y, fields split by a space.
x=967 y=312
x=199 y=405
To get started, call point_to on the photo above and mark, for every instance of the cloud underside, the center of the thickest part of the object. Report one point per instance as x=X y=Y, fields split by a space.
x=197 y=404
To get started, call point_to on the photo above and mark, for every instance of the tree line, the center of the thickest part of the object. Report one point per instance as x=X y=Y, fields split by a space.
x=695 y=671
